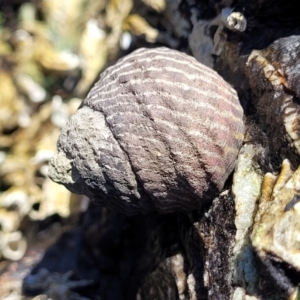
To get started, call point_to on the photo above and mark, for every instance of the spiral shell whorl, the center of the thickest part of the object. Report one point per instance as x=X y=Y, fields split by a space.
x=158 y=131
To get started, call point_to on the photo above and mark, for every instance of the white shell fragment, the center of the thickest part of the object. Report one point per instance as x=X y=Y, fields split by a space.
x=13 y=245
x=233 y=20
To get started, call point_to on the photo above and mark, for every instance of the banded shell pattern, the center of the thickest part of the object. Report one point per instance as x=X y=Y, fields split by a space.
x=158 y=131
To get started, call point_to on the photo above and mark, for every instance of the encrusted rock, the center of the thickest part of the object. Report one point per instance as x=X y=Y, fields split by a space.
x=247 y=181
x=158 y=131
x=274 y=78
x=275 y=235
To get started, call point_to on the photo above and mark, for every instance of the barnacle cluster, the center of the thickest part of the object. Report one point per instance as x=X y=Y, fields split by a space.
x=276 y=230
x=275 y=235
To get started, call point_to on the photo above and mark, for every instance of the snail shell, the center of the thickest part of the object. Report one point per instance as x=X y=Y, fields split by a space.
x=158 y=131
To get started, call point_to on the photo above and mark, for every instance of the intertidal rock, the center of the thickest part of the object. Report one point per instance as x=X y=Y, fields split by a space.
x=274 y=77
x=159 y=131
x=200 y=40
x=275 y=235
x=247 y=181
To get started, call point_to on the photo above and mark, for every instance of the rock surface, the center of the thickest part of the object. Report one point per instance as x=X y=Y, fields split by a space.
x=204 y=254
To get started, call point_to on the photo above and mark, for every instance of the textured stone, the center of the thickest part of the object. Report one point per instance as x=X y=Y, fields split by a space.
x=246 y=188
x=275 y=235
x=273 y=77
x=158 y=131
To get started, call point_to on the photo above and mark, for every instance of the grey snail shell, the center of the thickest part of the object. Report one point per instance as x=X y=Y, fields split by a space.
x=158 y=131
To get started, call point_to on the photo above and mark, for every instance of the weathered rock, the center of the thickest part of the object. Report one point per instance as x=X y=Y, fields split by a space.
x=275 y=235
x=273 y=75
x=247 y=181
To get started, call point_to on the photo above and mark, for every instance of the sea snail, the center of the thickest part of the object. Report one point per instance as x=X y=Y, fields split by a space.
x=158 y=131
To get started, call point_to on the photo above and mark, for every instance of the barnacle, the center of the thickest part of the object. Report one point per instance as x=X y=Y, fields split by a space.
x=233 y=20
x=279 y=64
x=276 y=231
